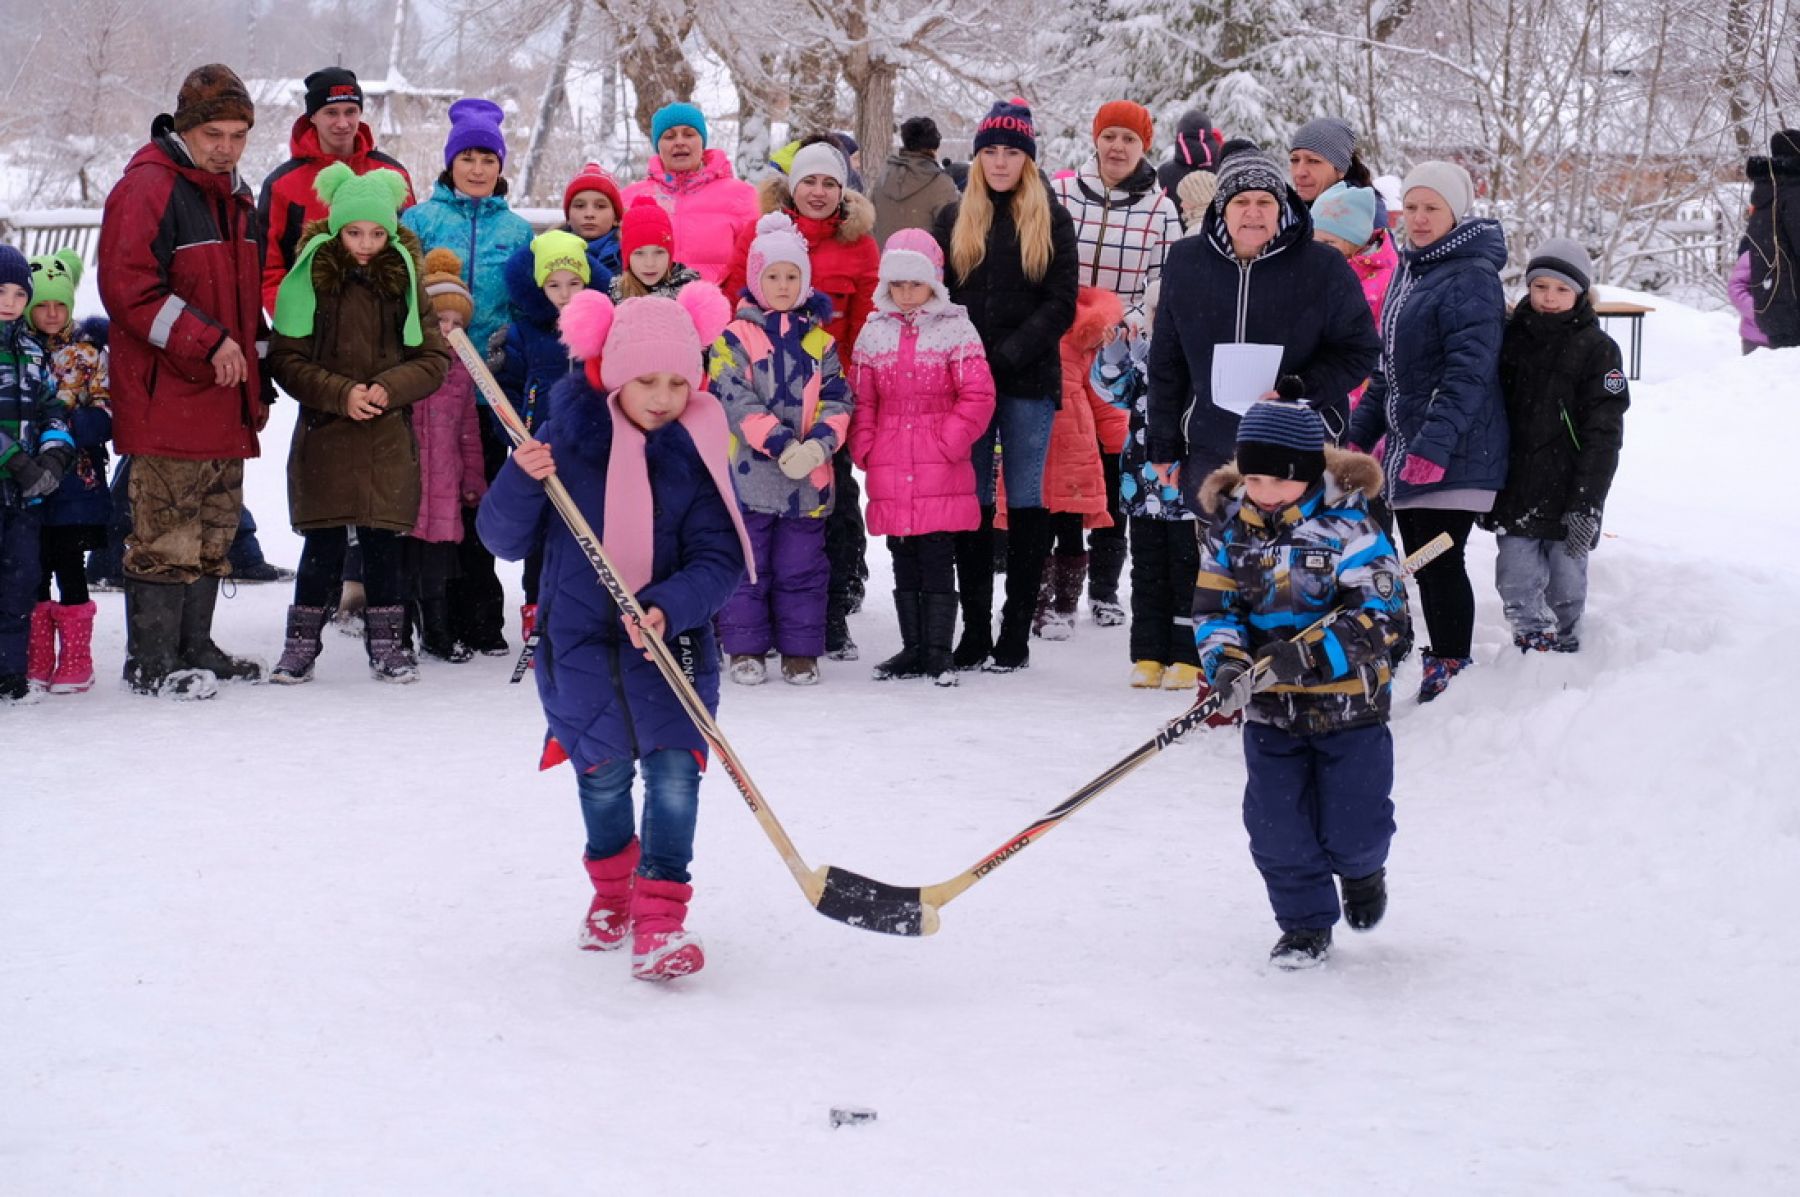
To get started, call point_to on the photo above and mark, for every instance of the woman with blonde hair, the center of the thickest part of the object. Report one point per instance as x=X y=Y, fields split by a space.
x=1011 y=260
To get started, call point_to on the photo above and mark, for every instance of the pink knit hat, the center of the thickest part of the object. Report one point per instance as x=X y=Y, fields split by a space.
x=912 y=256
x=643 y=336
x=777 y=240
x=651 y=335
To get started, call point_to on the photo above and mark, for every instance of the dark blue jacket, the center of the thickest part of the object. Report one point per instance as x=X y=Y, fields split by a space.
x=1437 y=394
x=84 y=498
x=1298 y=294
x=603 y=260
x=531 y=358
x=602 y=699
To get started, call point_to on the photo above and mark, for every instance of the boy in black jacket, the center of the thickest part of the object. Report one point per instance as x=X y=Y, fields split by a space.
x=1566 y=397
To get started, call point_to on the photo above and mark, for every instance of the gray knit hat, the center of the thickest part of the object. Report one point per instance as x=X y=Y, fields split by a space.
x=1330 y=137
x=1448 y=180
x=1564 y=260
x=1249 y=170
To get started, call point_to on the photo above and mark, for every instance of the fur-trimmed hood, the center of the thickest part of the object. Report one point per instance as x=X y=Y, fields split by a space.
x=858 y=221
x=332 y=264
x=1347 y=474
x=1096 y=311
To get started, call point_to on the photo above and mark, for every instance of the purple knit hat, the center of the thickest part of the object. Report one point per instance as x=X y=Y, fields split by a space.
x=475 y=125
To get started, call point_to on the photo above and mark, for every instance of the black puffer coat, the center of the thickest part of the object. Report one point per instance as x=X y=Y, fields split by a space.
x=1021 y=322
x=1566 y=397
x=1773 y=239
x=1298 y=294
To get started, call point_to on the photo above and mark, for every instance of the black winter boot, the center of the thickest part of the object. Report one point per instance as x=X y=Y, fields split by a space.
x=1305 y=948
x=937 y=624
x=838 y=644
x=197 y=648
x=1106 y=561
x=153 y=667
x=1365 y=900
x=909 y=661
x=435 y=639
x=1027 y=544
x=975 y=584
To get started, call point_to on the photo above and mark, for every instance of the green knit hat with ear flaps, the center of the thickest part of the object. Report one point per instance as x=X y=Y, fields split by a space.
x=376 y=197
x=54 y=278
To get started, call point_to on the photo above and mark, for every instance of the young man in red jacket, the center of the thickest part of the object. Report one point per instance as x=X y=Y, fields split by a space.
x=331 y=130
x=180 y=266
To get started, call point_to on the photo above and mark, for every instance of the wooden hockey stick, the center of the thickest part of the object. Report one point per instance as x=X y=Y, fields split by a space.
x=859 y=901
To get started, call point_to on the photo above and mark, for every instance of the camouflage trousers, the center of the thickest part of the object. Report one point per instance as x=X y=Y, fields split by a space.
x=184 y=515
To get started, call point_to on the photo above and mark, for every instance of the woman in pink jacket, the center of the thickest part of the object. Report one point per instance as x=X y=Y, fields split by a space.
x=708 y=204
x=1339 y=216
x=923 y=397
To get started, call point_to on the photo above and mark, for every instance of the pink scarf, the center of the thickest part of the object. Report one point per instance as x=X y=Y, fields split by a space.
x=629 y=533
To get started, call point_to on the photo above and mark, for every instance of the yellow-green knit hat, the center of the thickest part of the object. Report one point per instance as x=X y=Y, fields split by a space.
x=559 y=250
x=376 y=197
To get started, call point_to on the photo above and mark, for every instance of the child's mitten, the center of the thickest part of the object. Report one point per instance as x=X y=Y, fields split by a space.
x=1419 y=472
x=802 y=458
x=1289 y=661
x=1581 y=532
x=1231 y=681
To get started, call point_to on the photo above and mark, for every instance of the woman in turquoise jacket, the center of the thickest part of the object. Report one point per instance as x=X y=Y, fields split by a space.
x=468 y=213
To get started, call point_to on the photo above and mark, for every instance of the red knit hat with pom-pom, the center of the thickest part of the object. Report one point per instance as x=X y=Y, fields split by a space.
x=593 y=177
x=646 y=224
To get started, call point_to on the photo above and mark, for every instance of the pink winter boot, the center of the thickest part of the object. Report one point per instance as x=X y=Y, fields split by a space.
x=40 y=646
x=74 y=673
x=609 y=914
x=660 y=949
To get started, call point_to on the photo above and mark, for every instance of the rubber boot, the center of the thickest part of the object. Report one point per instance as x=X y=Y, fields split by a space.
x=40 y=646
x=1027 y=544
x=975 y=586
x=388 y=659
x=197 y=648
x=153 y=668
x=74 y=672
x=301 y=647
x=937 y=628
x=909 y=661
x=1106 y=562
x=609 y=914
x=661 y=946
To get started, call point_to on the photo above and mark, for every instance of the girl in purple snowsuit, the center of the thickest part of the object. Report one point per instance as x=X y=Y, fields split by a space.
x=776 y=370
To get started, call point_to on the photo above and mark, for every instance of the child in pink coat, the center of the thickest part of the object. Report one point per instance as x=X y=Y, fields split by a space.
x=923 y=396
x=451 y=476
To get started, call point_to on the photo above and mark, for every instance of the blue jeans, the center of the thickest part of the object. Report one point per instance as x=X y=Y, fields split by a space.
x=671 y=805
x=1541 y=587
x=1022 y=426
x=1316 y=806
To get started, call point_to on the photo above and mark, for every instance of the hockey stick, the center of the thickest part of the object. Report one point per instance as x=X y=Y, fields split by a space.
x=525 y=655
x=812 y=883
x=862 y=902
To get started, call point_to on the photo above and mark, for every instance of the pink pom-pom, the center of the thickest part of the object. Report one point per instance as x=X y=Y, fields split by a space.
x=585 y=322
x=707 y=307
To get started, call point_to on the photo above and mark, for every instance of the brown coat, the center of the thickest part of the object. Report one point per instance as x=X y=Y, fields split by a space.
x=357 y=472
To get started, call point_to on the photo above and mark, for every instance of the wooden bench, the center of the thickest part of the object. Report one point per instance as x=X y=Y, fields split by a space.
x=1634 y=312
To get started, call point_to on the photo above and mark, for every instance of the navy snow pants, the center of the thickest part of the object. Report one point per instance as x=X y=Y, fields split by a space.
x=20 y=568
x=1316 y=806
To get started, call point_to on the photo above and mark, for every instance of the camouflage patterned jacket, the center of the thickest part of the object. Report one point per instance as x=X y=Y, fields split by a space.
x=31 y=419
x=1266 y=576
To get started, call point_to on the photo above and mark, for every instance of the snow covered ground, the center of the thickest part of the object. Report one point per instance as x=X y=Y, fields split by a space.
x=322 y=940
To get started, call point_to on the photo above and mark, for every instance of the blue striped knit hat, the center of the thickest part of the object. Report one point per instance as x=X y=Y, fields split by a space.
x=1282 y=439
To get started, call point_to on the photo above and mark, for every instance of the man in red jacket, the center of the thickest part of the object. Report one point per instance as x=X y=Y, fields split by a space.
x=331 y=130
x=180 y=262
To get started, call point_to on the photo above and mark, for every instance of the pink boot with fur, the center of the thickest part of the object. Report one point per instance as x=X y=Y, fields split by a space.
x=40 y=646
x=661 y=949
x=609 y=914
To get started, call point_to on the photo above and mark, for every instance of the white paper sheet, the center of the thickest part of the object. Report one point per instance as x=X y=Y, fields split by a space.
x=1242 y=374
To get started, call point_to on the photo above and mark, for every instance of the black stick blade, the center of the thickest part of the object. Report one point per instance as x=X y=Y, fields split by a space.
x=858 y=901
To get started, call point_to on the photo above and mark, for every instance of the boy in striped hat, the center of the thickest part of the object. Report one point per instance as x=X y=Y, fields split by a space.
x=1291 y=541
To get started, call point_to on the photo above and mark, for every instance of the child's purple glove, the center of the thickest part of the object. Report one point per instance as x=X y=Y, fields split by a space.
x=1419 y=472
